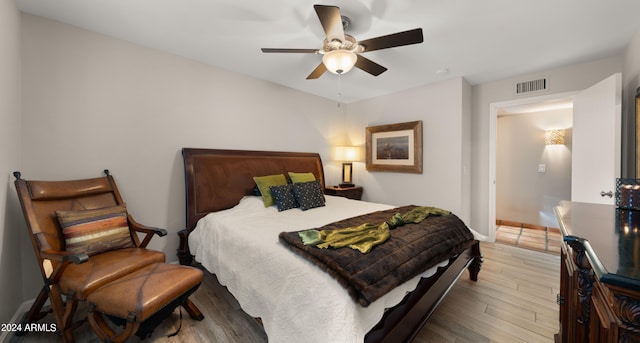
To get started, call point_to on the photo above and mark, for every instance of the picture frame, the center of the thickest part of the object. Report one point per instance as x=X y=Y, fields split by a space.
x=395 y=147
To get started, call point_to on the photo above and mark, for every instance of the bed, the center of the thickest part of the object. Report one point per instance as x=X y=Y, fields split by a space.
x=219 y=185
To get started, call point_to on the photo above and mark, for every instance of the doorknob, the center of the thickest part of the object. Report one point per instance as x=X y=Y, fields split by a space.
x=607 y=194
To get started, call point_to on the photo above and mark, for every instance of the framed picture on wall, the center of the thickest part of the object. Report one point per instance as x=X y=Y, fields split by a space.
x=395 y=147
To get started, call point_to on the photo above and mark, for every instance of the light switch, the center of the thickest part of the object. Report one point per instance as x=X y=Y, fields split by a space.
x=542 y=168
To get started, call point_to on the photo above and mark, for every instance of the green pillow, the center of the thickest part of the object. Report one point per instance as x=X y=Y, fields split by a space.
x=301 y=177
x=264 y=182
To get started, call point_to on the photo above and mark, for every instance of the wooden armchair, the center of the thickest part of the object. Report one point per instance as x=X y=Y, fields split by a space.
x=84 y=240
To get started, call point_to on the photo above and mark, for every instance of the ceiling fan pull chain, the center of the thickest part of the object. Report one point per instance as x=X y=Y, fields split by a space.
x=339 y=88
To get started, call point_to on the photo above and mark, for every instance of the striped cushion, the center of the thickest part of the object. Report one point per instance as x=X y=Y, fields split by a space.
x=95 y=231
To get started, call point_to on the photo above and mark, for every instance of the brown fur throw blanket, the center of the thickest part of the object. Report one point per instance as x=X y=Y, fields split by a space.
x=410 y=250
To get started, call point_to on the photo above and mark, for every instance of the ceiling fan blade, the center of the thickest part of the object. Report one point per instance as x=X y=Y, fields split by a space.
x=331 y=21
x=395 y=39
x=369 y=66
x=299 y=51
x=316 y=73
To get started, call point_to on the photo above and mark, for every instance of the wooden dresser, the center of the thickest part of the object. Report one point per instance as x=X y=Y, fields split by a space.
x=600 y=273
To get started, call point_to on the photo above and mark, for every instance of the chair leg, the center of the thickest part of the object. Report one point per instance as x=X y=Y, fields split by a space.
x=192 y=309
x=64 y=312
x=35 y=312
x=70 y=309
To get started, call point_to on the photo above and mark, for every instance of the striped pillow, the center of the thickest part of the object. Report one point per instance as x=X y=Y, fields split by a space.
x=95 y=231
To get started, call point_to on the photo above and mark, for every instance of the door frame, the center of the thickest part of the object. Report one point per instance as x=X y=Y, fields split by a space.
x=494 y=108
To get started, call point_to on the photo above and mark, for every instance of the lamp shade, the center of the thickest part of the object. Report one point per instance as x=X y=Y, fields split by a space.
x=339 y=61
x=347 y=153
x=554 y=137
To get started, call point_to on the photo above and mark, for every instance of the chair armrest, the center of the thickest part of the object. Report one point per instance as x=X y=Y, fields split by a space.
x=63 y=256
x=64 y=259
x=56 y=255
x=147 y=230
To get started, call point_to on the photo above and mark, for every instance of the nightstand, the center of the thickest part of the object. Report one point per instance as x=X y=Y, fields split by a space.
x=346 y=192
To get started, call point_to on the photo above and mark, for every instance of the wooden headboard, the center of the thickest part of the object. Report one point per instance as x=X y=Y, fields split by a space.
x=217 y=179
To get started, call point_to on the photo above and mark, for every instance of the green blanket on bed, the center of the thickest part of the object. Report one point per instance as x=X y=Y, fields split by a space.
x=366 y=236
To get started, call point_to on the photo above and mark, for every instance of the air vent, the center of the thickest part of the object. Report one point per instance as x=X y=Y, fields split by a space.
x=531 y=86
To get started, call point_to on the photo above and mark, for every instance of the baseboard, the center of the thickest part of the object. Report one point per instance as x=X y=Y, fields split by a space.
x=17 y=317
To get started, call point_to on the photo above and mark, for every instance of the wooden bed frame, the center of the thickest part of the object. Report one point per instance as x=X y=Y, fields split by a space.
x=217 y=179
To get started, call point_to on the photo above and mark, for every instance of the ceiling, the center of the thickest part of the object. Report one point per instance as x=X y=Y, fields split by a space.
x=480 y=40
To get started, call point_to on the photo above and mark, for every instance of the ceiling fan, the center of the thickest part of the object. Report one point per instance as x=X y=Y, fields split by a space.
x=341 y=51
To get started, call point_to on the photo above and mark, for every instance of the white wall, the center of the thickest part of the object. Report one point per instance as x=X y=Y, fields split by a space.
x=10 y=234
x=561 y=80
x=442 y=107
x=91 y=102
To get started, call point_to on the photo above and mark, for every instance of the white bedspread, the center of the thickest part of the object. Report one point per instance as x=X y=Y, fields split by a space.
x=296 y=300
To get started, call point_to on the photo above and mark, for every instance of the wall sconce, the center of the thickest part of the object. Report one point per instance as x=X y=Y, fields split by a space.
x=347 y=154
x=554 y=137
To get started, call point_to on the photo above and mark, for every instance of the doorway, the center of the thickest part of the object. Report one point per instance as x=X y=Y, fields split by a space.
x=596 y=141
x=533 y=174
x=515 y=107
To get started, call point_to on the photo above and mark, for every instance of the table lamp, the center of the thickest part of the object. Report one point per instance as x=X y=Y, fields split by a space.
x=347 y=154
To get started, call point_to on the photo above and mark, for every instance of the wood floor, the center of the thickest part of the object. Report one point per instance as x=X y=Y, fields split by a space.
x=543 y=239
x=514 y=300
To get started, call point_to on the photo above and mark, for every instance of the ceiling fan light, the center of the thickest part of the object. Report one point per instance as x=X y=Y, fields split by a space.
x=339 y=61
